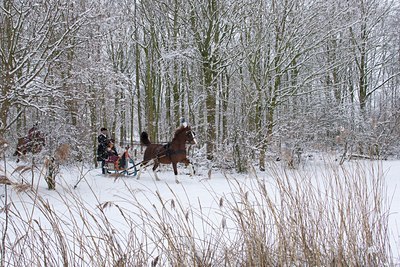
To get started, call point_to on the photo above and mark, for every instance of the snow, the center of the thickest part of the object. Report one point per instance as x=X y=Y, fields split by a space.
x=196 y=197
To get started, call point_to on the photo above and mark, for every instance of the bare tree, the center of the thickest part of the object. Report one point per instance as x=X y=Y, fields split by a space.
x=31 y=38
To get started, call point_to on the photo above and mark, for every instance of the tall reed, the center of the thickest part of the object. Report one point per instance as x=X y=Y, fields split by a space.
x=335 y=215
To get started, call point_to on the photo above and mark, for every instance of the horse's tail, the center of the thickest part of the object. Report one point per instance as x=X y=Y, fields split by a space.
x=20 y=145
x=144 y=139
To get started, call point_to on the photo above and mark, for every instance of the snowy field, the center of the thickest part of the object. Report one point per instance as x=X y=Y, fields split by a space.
x=208 y=215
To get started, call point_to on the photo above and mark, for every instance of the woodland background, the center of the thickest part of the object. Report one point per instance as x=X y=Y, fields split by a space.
x=255 y=79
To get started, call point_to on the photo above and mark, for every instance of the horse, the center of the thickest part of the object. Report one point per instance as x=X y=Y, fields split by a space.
x=171 y=153
x=29 y=145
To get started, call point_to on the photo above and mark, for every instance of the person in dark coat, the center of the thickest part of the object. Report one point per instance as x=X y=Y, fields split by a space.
x=102 y=153
x=34 y=135
x=35 y=138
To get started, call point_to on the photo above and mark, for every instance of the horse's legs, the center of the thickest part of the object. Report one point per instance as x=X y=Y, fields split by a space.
x=139 y=172
x=190 y=165
x=22 y=148
x=156 y=163
x=191 y=169
x=145 y=164
x=174 y=165
x=142 y=166
x=19 y=154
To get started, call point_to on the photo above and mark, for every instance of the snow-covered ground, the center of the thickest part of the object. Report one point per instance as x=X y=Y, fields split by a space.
x=202 y=193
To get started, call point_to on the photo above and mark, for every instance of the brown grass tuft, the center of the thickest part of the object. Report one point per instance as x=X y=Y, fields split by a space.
x=4 y=180
x=62 y=153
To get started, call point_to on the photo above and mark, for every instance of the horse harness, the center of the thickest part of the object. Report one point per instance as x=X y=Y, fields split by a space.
x=169 y=152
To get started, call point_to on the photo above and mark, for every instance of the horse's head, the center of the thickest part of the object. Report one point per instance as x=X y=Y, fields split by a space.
x=191 y=136
x=185 y=134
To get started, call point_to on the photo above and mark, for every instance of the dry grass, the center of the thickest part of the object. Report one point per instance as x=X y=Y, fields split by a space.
x=335 y=217
x=62 y=153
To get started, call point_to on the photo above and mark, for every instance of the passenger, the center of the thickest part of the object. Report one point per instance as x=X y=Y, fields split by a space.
x=112 y=151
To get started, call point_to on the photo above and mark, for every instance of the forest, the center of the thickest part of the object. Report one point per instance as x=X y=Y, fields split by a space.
x=256 y=80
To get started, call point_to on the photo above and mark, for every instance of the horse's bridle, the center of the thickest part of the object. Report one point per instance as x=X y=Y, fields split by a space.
x=193 y=136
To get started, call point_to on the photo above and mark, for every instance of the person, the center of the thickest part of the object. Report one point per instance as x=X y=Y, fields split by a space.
x=34 y=135
x=33 y=132
x=183 y=122
x=34 y=139
x=113 y=156
x=111 y=150
x=102 y=153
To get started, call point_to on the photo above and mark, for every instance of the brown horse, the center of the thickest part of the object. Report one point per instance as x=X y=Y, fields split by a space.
x=171 y=153
x=29 y=145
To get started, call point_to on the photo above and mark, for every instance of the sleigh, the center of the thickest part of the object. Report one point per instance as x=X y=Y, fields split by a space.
x=121 y=165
